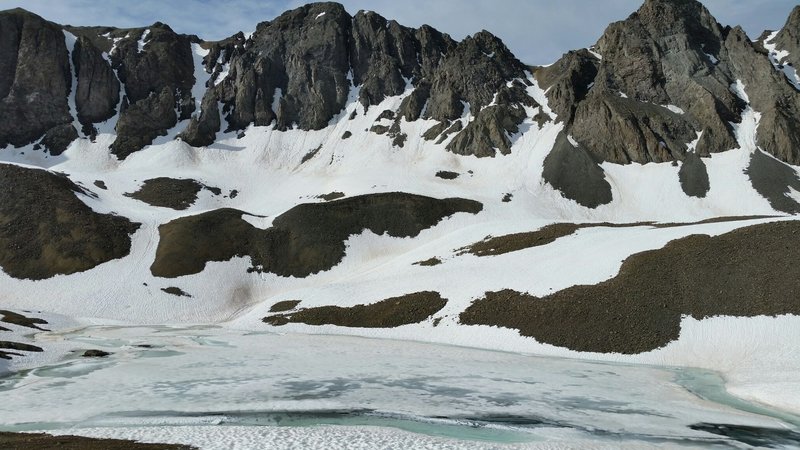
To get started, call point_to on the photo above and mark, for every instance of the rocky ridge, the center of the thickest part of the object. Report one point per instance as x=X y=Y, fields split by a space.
x=666 y=84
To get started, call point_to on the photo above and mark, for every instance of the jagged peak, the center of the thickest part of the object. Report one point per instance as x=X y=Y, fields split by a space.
x=19 y=11
x=24 y=14
x=670 y=16
x=794 y=17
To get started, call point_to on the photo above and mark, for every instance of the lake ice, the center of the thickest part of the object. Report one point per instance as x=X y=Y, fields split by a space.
x=222 y=388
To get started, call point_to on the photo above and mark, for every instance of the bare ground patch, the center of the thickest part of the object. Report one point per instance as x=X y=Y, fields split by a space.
x=389 y=313
x=47 y=230
x=307 y=239
x=286 y=305
x=748 y=272
x=9 y=349
x=178 y=194
x=28 y=441
x=548 y=234
x=22 y=320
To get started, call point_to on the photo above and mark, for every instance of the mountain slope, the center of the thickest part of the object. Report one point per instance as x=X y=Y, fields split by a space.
x=328 y=166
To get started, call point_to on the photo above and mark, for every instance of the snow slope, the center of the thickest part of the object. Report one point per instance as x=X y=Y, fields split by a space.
x=266 y=167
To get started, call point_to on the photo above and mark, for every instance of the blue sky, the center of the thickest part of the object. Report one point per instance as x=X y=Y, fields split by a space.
x=537 y=31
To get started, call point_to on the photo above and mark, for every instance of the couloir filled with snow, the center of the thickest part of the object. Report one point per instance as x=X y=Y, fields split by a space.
x=755 y=356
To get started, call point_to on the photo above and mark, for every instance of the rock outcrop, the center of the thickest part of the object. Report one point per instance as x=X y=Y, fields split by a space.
x=304 y=240
x=47 y=230
x=788 y=38
x=666 y=73
x=35 y=80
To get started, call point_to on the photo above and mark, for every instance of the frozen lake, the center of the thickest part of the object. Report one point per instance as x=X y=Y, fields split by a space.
x=221 y=388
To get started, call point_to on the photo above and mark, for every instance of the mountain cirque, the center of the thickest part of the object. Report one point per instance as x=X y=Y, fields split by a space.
x=364 y=161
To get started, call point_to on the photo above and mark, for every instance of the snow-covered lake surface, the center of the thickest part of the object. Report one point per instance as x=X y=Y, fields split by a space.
x=221 y=388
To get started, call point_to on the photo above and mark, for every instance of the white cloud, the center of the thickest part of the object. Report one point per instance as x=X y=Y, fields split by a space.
x=537 y=31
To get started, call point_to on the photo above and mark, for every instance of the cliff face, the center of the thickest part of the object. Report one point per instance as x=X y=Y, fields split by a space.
x=665 y=74
x=666 y=82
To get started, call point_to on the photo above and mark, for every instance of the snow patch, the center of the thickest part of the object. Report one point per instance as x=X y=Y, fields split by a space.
x=201 y=76
x=71 y=40
x=320 y=15
x=572 y=141
x=674 y=109
x=778 y=59
x=592 y=51
x=692 y=146
x=746 y=130
x=738 y=89
x=143 y=40
x=276 y=100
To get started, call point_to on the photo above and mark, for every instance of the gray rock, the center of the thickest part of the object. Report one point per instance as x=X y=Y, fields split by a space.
x=789 y=38
x=769 y=94
x=568 y=81
x=202 y=129
x=383 y=54
x=97 y=94
x=35 y=78
x=491 y=130
x=158 y=85
x=140 y=123
x=623 y=130
x=573 y=171
x=772 y=179
x=474 y=70
x=302 y=53
x=693 y=176
x=58 y=138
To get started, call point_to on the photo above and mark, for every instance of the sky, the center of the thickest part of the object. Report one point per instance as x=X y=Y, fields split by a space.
x=537 y=31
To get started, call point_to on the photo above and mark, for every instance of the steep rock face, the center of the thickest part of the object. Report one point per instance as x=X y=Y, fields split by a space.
x=97 y=93
x=155 y=65
x=663 y=75
x=788 y=38
x=573 y=170
x=473 y=72
x=568 y=82
x=769 y=94
x=291 y=71
x=35 y=79
x=141 y=122
x=642 y=94
x=299 y=69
